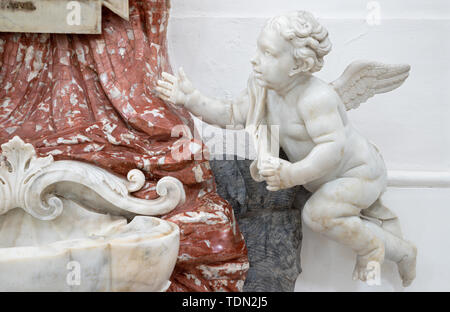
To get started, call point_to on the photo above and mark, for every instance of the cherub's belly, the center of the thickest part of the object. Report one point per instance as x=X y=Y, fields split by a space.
x=361 y=159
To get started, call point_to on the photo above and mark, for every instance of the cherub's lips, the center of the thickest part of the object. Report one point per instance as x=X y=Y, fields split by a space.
x=257 y=73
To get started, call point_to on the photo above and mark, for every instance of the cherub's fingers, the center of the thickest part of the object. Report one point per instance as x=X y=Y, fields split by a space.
x=267 y=172
x=272 y=188
x=272 y=161
x=182 y=74
x=268 y=165
x=165 y=84
x=267 y=176
x=272 y=179
x=274 y=184
x=169 y=77
x=163 y=91
x=165 y=98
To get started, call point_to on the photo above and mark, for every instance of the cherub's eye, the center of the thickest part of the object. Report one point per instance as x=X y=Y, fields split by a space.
x=267 y=53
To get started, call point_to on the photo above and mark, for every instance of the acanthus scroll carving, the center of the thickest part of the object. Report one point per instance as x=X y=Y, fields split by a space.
x=37 y=184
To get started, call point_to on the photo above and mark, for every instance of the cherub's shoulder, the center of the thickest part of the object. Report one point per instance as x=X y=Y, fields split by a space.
x=319 y=96
x=319 y=90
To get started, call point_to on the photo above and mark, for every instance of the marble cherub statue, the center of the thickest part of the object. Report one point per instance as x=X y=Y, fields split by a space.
x=344 y=171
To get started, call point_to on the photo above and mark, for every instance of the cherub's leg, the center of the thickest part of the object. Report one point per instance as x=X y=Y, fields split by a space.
x=334 y=210
x=397 y=249
x=388 y=220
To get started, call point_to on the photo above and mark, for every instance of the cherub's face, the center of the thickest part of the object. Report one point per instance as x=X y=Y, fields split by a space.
x=273 y=63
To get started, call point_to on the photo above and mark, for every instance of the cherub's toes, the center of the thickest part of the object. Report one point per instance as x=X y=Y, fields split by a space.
x=355 y=275
x=363 y=275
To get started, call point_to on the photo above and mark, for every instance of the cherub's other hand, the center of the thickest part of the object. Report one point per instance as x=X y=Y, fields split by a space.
x=276 y=172
x=175 y=89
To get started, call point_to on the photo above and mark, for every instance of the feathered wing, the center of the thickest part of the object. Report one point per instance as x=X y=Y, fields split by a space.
x=363 y=79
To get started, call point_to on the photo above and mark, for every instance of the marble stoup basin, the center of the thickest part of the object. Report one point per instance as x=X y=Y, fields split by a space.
x=85 y=251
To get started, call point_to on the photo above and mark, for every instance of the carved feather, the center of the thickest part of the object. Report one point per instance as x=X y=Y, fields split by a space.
x=363 y=79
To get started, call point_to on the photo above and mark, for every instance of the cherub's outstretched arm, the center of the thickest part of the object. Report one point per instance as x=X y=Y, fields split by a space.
x=180 y=91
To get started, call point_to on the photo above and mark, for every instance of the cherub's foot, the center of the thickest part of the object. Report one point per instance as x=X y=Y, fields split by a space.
x=365 y=264
x=407 y=266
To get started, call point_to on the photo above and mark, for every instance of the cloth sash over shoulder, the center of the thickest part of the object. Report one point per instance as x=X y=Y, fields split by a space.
x=264 y=136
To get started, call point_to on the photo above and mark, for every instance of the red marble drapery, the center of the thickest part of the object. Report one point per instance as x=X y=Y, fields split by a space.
x=90 y=98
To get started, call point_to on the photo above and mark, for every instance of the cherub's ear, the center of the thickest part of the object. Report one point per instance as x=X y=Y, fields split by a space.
x=308 y=64
x=296 y=70
x=305 y=66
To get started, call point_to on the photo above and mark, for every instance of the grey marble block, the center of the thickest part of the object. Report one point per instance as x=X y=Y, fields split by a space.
x=270 y=223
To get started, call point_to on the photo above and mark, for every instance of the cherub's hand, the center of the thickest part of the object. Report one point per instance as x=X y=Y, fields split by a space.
x=175 y=89
x=276 y=172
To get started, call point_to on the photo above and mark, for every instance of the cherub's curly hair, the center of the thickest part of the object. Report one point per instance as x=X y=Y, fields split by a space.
x=308 y=38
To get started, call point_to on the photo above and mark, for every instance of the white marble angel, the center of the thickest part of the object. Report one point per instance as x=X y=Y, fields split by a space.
x=344 y=171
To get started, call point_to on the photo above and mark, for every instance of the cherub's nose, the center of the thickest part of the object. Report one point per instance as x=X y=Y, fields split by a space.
x=254 y=61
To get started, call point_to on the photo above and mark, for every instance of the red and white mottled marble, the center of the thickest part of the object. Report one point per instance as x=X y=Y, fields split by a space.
x=90 y=98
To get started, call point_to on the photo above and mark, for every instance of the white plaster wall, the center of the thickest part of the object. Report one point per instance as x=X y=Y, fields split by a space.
x=214 y=41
